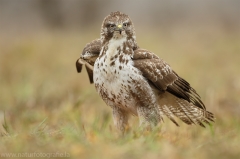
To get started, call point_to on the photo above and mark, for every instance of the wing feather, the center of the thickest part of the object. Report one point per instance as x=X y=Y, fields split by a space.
x=164 y=78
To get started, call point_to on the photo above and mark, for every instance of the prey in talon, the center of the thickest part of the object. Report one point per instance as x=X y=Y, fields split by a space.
x=88 y=57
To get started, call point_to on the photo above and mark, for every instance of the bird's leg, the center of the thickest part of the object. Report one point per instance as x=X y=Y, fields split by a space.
x=147 y=107
x=149 y=117
x=120 y=119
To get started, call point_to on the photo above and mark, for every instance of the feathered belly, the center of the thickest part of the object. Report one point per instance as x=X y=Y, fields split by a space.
x=115 y=85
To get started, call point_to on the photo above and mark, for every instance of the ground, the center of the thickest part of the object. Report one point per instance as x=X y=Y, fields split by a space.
x=47 y=108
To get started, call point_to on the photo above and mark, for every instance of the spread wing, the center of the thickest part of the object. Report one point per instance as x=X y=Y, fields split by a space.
x=160 y=74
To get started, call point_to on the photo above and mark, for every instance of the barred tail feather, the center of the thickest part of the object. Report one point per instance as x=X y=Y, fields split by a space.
x=171 y=106
x=168 y=113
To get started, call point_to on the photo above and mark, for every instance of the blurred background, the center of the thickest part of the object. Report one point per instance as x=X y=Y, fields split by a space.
x=41 y=40
x=35 y=16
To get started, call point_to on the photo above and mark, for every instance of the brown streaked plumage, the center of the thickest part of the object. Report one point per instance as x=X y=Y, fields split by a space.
x=132 y=80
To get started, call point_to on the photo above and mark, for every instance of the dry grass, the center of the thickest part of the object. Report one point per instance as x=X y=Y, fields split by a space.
x=45 y=106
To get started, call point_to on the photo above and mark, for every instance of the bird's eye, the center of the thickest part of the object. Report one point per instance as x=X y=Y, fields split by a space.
x=111 y=25
x=125 y=24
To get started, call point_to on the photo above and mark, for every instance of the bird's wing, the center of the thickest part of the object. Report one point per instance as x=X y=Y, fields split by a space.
x=179 y=99
x=160 y=74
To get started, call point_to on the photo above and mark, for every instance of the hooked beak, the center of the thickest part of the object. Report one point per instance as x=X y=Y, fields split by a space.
x=119 y=28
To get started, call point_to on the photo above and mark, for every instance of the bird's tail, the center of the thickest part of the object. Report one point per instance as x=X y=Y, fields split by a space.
x=171 y=106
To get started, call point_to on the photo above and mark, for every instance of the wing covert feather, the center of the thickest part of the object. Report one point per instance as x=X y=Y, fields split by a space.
x=163 y=77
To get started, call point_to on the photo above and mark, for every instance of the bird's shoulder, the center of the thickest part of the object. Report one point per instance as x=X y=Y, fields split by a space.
x=154 y=68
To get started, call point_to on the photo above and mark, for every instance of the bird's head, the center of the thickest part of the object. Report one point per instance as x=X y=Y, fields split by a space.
x=117 y=25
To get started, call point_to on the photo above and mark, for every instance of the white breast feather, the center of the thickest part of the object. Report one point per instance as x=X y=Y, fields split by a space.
x=113 y=81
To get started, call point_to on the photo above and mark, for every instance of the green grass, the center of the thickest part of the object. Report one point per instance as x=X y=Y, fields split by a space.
x=46 y=107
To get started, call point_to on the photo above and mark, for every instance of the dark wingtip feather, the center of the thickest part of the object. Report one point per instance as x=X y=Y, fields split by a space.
x=182 y=89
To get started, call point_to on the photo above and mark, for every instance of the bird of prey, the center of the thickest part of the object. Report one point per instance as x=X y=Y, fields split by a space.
x=134 y=81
